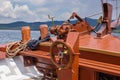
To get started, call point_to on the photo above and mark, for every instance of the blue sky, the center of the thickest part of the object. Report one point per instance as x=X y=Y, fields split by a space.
x=38 y=10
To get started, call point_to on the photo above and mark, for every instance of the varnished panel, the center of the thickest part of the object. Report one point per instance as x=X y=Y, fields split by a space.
x=107 y=45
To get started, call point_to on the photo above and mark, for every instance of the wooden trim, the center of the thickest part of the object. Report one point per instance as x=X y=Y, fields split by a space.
x=2 y=55
x=37 y=54
x=100 y=66
x=87 y=74
x=45 y=44
x=107 y=52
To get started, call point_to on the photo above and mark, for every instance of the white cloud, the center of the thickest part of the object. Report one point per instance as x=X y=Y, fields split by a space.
x=22 y=10
x=37 y=10
x=17 y=12
x=6 y=9
x=12 y=10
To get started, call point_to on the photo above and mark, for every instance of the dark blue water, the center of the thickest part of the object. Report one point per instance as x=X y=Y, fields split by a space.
x=7 y=36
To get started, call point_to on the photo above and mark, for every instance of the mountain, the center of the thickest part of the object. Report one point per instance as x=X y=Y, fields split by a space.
x=35 y=25
x=19 y=24
x=91 y=21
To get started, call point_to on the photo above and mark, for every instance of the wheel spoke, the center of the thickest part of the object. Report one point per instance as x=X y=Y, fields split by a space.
x=61 y=54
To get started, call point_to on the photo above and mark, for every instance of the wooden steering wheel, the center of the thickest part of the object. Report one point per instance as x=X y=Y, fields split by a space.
x=61 y=54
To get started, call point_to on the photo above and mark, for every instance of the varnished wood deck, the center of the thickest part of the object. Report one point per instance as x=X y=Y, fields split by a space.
x=108 y=45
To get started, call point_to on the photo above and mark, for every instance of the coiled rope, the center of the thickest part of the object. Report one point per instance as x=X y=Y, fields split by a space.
x=15 y=47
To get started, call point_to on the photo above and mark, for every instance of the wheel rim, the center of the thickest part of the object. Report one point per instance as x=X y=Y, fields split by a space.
x=61 y=54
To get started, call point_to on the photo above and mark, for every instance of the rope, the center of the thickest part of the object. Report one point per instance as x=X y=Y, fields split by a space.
x=17 y=47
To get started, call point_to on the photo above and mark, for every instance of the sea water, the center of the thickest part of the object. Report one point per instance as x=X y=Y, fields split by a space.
x=7 y=36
